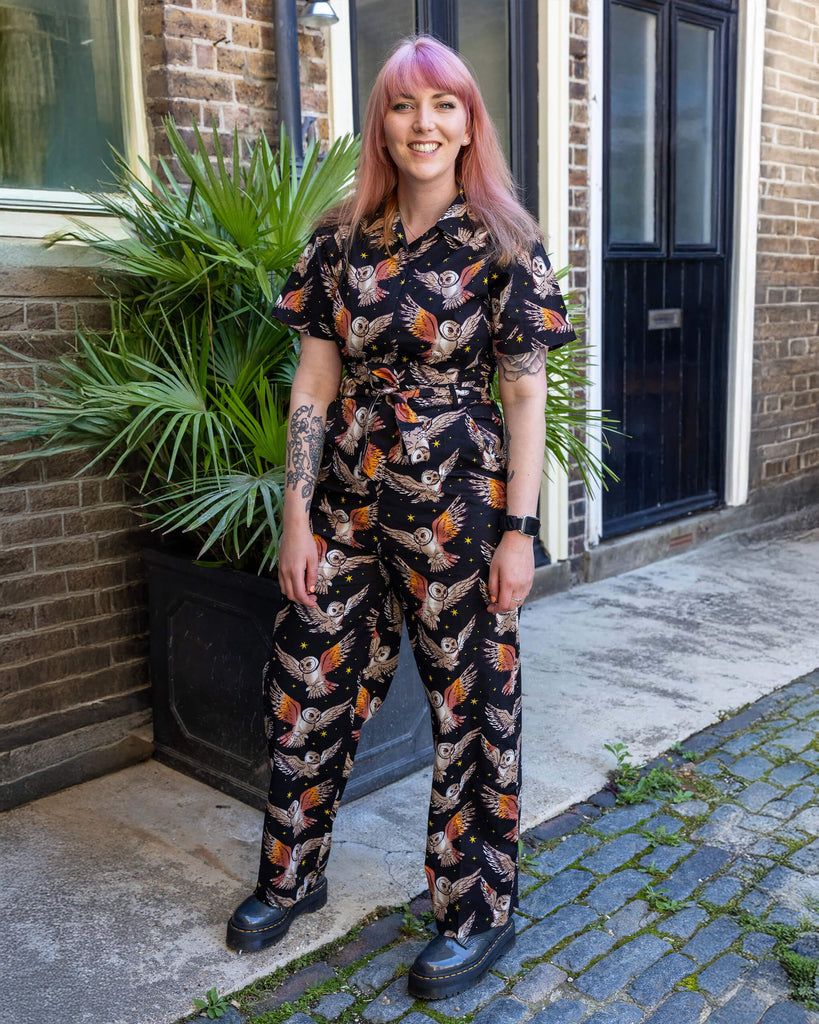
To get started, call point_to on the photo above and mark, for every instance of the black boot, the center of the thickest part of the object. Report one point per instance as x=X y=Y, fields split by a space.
x=448 y=966
x=255 y=925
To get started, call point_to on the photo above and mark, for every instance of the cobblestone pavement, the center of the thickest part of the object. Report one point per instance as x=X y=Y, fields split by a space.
x=658 y=912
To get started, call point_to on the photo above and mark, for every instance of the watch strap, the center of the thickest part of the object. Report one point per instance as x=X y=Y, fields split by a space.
x=529 y=526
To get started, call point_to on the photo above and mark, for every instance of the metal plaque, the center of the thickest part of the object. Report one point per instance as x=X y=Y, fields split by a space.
x=663 y=319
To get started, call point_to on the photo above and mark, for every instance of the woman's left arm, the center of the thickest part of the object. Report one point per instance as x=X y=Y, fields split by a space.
x=522 y=383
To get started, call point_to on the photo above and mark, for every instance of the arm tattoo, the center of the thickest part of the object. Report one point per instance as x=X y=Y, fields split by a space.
x=525 y=364
x=304 y=446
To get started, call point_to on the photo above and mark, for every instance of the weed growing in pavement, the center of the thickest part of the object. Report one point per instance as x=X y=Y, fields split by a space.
x=415 y=924
x=661 y=836
x=635 y=786
x=214 y=1005
x=652 y=869
x=801 y=972
x=691 y=983
x=686 y=755
x=526 y=860
x=657 y=900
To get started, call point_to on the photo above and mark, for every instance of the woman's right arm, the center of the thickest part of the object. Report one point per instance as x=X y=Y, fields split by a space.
x=315 y=385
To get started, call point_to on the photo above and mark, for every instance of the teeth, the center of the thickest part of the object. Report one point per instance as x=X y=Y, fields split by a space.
x=424 y=147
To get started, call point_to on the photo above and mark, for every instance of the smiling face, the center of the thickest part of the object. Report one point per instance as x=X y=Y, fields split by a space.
x=424 y=132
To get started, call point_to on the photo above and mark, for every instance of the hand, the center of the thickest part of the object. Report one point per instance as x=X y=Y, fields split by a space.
x=298 y=565
x=511 y=572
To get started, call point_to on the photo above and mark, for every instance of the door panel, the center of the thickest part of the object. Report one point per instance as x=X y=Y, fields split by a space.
x=666 y=266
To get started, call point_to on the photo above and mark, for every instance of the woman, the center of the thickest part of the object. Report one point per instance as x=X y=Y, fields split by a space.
x=409 y=498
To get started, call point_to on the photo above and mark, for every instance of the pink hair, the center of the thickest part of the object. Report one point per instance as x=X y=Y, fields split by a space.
x=481 y=168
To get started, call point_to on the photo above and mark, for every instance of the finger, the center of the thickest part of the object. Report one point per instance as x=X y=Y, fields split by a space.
x=493 y=585
x=311 y=577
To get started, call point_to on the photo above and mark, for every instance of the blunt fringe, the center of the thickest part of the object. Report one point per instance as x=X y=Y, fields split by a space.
x=481 y=169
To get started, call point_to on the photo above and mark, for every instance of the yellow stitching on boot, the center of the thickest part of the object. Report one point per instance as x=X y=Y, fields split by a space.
x=287 y=913
x=454 y=974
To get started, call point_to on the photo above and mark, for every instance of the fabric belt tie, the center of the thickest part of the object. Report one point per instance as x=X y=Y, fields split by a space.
x=410 y=418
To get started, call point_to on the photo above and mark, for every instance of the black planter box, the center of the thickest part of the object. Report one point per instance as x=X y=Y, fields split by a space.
x=210 y=638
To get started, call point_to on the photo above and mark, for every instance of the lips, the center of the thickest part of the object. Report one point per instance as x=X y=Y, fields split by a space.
x=424 y=147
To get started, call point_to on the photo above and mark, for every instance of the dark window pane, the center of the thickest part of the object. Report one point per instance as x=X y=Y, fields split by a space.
x=483 y=41
x=632 y=134
x=693 y=213
x=379 y=24
x=60 y=96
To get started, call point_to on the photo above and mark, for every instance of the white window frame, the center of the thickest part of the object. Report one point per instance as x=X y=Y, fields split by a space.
x=37 y=213
x=553 y=189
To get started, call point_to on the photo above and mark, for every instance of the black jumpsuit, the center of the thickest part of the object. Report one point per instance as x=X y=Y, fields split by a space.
x=405 y=514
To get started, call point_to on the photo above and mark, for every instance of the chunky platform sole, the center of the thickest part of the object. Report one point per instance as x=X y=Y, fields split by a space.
x=458 y=980
x=246 y=940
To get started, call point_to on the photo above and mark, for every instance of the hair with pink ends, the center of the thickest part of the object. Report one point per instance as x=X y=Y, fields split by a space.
x=481 y=168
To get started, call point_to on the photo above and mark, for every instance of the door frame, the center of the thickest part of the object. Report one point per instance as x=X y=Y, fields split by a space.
x=747 y=134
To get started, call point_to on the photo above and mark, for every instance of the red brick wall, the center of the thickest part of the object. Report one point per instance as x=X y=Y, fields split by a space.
x=785 y=441
x=73 y=676
x=214 y=62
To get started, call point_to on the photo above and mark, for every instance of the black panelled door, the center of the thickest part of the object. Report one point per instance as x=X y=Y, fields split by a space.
x=670 y=86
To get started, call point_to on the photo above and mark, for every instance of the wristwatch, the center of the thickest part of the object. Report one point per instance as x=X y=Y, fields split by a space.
x=529 y=526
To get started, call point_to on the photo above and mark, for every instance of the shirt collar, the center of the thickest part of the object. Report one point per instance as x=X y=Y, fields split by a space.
x=455 y=222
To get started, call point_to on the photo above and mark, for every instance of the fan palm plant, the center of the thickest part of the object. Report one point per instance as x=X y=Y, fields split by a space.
x=190 y=388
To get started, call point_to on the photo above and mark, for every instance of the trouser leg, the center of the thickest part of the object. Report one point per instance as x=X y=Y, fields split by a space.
x=329 y=672
x=469 y=661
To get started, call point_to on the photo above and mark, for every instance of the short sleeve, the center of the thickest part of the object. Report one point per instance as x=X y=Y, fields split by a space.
x=527 y=308
x=306 y=299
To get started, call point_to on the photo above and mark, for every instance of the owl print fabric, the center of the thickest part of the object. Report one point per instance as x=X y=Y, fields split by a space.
x=405 y=515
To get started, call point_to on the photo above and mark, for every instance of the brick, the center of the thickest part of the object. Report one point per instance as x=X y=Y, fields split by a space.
x=712 y=940
x=722 y=975
x=703 y=864
x=681 y=1008
x=610 y=894
x=786 y=1013
x=557 y=891
x=653 y=985
x=501 y=1011
x=381 y=969
x=623 y=818
x=68 y=609
x=755 y=796
x=471 y=1000
x=617 y=1013
x=564 y=1011
x=190 y=25
x=293 y=987
x=746 y=1007
x=631 y=918
x=536 y=941
x=684 y=923
x=19 y=590
x=614 y=854
x=565 y=853
x=722 y=891
x=614 y=972
x=335 y=1004
x=538 y=984
x=579 y=954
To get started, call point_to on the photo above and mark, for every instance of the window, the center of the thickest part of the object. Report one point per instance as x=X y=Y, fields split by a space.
x=497 y=38
x=65 y=98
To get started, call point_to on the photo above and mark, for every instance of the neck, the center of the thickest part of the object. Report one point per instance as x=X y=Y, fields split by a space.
x=422 y=206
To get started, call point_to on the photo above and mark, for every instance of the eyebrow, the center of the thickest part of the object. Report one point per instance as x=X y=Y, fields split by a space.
x=435 y=95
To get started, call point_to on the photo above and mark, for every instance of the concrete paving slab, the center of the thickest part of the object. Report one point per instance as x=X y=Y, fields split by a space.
x=115 y=893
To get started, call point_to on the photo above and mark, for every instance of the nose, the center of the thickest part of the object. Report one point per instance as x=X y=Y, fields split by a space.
x=423 y=118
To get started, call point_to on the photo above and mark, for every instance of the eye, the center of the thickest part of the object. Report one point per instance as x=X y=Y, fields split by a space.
x=400 y=105
x=447 y=104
